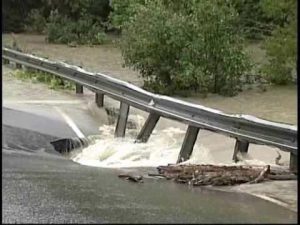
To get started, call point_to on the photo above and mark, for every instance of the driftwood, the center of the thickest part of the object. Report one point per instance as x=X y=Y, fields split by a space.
x=277 y=159
x=262 y=175
x=198 y=175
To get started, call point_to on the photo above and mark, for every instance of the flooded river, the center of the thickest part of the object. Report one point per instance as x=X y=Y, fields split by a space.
x=54 y=189
x=277 y=103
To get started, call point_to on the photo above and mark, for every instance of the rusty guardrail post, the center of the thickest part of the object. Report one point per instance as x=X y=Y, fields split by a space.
x=240 y=146
x=79 y=89
x=99 y=99
x=293 y=162
x=188 y=143
x=147 y=128
x=122 y=120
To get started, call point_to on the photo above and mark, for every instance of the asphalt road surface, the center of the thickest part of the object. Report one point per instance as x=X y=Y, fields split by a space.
x=41 y=186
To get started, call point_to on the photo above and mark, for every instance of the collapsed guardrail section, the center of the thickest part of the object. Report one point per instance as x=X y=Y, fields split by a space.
x=245 y=129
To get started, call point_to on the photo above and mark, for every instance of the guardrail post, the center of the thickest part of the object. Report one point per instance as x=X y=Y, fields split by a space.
x=293 y=162
x=99 y=99
x=188 y=143
x=240 y=146
x=18 y=66
x=147 y=128
x=122 y=120
x=5 y=61
x=79 y=89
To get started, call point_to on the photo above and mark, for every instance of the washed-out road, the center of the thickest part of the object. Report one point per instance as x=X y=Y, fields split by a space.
x=41 y=186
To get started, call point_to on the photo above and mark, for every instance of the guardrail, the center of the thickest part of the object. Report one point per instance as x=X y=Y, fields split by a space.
x=245 y=128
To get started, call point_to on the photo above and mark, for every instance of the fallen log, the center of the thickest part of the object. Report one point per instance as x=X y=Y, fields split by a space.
x=283 y=177
x=199 y=175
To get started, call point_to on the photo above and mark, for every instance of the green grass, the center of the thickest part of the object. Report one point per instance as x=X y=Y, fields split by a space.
x=51 y=80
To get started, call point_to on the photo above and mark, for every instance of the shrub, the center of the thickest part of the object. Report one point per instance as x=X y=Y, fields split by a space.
x=51 y=80
x=254 y=21
x=196 y=49
x=62 y=29
x=123 y=11
x=74 y=9
x=64 y=21
x=15 y=13
x=36 y=22
x=281 y=47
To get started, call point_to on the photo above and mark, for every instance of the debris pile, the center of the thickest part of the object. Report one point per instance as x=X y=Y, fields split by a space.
x=199 y=175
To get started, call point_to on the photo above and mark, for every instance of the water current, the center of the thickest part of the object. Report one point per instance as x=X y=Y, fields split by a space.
x=162 y=148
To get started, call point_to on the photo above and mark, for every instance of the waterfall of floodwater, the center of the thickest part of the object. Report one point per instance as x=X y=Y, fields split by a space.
x=162 y=148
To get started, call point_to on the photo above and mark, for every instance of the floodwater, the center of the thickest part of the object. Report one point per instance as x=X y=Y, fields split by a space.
x=162 y=148
x=277 y=103
x=71 y=192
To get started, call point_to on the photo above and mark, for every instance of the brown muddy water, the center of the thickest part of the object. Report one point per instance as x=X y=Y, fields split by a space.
x=278 y=103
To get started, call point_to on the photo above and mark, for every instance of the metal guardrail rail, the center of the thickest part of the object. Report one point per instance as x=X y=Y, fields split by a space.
x=245 y=128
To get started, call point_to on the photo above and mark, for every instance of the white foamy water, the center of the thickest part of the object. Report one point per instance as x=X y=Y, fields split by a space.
x=162 y=148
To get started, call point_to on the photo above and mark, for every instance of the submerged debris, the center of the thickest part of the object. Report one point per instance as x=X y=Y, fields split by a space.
x=133 y=178
x=198 y=175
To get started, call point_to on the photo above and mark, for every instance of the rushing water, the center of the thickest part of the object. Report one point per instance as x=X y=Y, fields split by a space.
x=162 y=148
x=277 y=104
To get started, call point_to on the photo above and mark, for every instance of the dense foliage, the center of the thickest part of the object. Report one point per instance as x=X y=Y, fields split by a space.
x=14 y=13
x=177 y=46
x=79 y=21
x=253 y=20
x=281 y=47
x=123 y=11
x=63 y=21
x=198 y=48
x=62 y=29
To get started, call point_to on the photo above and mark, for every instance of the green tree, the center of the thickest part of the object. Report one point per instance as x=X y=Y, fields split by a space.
x=254 y=22
x=281 y=47
x=63 y=21
x=77 y=21
x=14 y=12
x=74 y=9
x=198 y=48
x=123 y=11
